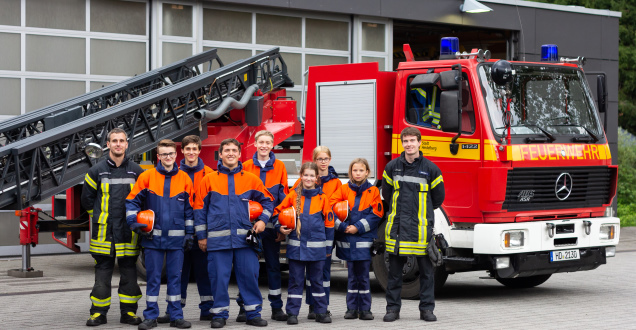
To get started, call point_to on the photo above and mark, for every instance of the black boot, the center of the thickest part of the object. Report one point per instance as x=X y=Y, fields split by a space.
x=257 y=322
x=391 y=316
x=351 y=314
x=164 y=319
x=217 y=323
x=278 y=314
x=323 y=318
x=180 y=324
x=366 y=315
x=428 y=316
x=96 y=319
x=147 y=324
x=206 y=317
x=312 y=314
x=130 y=318
x=242 y=317
x=292 y=319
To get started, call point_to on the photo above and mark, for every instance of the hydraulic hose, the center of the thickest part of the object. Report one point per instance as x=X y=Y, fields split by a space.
x=228 y=103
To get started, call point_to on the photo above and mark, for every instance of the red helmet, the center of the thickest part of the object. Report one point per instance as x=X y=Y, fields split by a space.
x=255 y=209
x=287 y=218
x=341 y=209
x=146 y=217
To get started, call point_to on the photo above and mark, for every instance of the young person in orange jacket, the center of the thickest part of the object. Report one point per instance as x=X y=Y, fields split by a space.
x=308 y=244
x=274 y=176
x=224 y=229
x=167 y=191
x=355 y=234
x=329 y=183
x=194 y=260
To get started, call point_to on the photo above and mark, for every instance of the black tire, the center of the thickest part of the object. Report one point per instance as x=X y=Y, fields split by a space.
x=524 y=282
x=141 y=269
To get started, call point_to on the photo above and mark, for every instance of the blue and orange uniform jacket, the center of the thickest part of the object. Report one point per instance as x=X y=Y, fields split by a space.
x=221 y=209
x=273 y=175
x=316 y=225
x=365 y=213
x=328 y=183
x=167 y=193
x=195 y=173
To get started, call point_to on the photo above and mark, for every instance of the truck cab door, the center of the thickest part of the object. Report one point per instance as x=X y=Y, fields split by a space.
x=420 y=99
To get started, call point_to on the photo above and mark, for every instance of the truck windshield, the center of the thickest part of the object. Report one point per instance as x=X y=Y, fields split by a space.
x=545 y=100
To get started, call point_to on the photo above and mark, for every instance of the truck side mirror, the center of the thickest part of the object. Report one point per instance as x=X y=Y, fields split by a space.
x=425 y=80
x=449 y=114
x=601 y=93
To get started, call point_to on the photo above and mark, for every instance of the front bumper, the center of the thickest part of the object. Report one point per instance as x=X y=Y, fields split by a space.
x=538 y=263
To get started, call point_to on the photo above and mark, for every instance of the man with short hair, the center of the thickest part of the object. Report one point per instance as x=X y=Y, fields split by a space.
x=273 y=174
x=194 y=260
x=413 y=188
x=222 y=225
x=166 y=191
x=105 y=186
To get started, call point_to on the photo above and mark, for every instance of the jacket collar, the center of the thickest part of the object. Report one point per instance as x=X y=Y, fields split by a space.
x=416 y=161
x=225 y=170
x=331 y=174
x=163 y=170
x=270 y=163
x=309 y=193
x=191 y=169
x=361 y=188
x=111 y=163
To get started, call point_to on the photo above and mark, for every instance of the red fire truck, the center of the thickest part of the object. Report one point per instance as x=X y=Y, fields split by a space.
x=526 y=165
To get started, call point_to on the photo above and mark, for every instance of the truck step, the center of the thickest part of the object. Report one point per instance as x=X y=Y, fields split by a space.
x=459 y=259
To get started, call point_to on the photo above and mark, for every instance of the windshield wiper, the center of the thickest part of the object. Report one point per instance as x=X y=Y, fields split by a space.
x=583 y=139
x=550 y=137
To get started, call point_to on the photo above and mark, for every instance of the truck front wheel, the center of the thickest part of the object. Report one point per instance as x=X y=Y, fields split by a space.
x=524 y=282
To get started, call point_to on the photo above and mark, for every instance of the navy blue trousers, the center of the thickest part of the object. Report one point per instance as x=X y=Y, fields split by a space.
x=271 y=250
x=297 y=271
x=196 y=261
x=246 y=266
x=154 y=264
x=359 y=286
x=326 y=282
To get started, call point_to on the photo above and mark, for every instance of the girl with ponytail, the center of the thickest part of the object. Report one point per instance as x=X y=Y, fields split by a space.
x=307 y=245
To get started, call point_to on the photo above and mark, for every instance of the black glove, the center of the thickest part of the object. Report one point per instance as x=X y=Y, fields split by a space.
x=136 y=227
x=188 y=242
x=377 y=247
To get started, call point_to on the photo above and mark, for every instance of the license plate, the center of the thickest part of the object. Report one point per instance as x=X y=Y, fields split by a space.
x=564 y=255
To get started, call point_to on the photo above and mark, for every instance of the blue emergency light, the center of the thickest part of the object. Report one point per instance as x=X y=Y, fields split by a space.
x=449 y=46
x=549 y=53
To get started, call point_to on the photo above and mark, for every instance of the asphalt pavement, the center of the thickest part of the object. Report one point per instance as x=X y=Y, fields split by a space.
x=603 y=298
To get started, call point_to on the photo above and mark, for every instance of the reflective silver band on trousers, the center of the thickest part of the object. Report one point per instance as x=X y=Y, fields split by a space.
x=152 y=298
x=173 y=298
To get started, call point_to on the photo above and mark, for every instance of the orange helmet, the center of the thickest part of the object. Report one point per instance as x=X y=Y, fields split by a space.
x=255 y=209
x=287 y=218
x=146 y=217
x=341 y=209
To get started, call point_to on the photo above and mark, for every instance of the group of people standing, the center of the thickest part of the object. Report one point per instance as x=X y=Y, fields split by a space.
x=202 y=222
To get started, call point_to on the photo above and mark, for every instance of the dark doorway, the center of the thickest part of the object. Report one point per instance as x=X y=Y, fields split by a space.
x=424 y=39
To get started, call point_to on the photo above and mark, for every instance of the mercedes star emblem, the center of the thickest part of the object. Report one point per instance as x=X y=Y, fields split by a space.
x=563 y=153
x=563 y=186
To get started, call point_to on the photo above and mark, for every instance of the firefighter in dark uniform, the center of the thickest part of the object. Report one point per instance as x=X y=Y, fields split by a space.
x=413 y=188
x=106 y=186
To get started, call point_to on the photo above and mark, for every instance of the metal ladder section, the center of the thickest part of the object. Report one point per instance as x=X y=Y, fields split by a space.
x=38 y=121
x=38 y=167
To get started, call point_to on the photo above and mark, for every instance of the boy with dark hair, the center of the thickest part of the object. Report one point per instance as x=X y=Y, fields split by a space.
x=167 y=191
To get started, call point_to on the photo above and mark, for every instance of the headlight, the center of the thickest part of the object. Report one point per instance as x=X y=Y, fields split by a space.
x=610 y=251
x=502 y=262
x=607 y=232
x=609 y=212
x=513 y=239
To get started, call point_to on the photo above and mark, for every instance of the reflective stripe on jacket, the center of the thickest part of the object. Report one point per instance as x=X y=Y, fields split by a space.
x=221 y=208
x=412 y=191
x=365 y=213
x=167 y=193
x=103 y=196
x=316 y=225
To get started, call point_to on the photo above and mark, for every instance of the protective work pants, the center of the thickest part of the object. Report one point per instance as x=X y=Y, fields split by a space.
x=359 y=286
x=129 y=292
x=154 y=264
x=271 y=251
x=297 y=271
x=394 y=286
x=326 y=283
x=196 y=261
x=245 y=261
